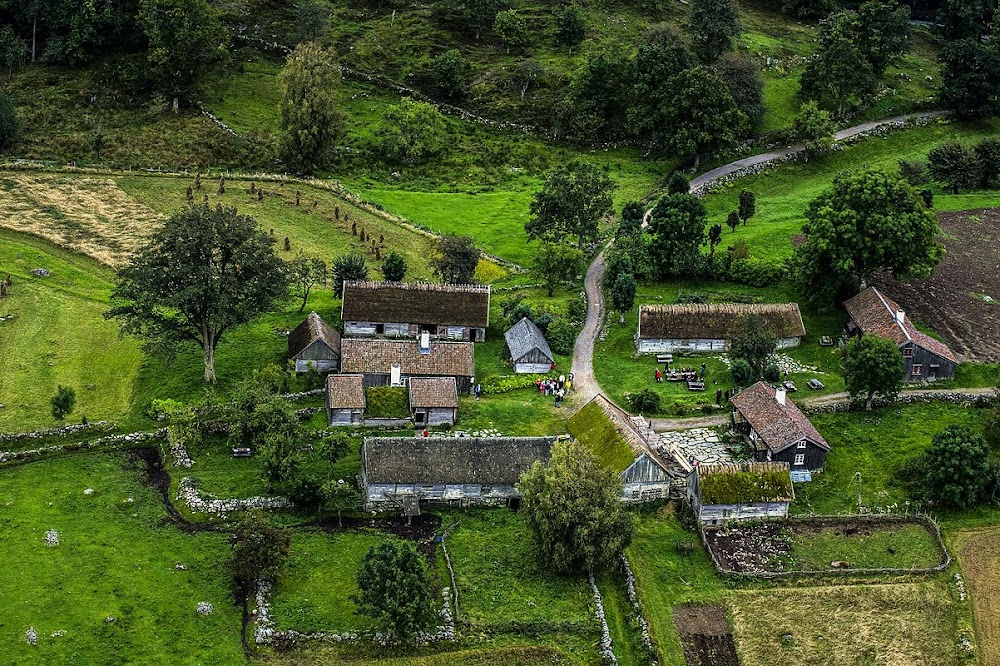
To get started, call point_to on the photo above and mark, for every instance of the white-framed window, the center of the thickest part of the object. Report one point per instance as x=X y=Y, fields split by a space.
x=800 y=459
x=908 y=352
x=801 y=445
x=917 y=370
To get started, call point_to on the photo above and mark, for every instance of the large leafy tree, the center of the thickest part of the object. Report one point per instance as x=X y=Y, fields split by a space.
x=411 y=132
x=869 y=221
x=479 y=15
x=971 y=78
x=556 y=264
x=959 y=473
x=186 y=40
x=455 y=259
x=662 y=55
x=704 y=118
x=746 y=84
x=348 y=267
x=571 y=204
x=755 y=345
x=394 y=589
x=967 y=19
x=394 y=267
x=622 y=293
x=573 y=506
x=310 y=118
x=712 y=25
x=813 y=127
x=259 y=550
x=512 y=28
x=677 y=224
x=882 y=31
x=954 y=165
x=205 y=272
x=600 y=95
x=570 y=27
x=839 y=73
x=873 y=367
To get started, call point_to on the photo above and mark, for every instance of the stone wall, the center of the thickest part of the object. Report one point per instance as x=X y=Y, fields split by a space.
x=187 y=492
x=907 y=398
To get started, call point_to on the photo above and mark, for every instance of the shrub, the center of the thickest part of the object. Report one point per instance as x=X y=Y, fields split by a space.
x=63 y=402
x=645 y=402
x=772 y=373
x=561 y=335
x=273 y=378
x=742 y=372
x=756 y=272
x=507 y=383
x=306 y=492
x=914 y=171
x=10 y=126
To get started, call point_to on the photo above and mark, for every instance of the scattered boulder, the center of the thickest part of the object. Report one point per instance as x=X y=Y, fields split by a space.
x=205 y=608
x=31 y=636
x=52 y=538
x=88 y=492
x=41 y=272
x=180 y=567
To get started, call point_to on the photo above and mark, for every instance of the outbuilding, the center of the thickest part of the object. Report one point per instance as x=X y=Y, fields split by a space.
x=316 y=344
x=345 y=400
x=433 y=401
x=394 y=362
x=711 y=327
x=527 y=348
x=748 y=491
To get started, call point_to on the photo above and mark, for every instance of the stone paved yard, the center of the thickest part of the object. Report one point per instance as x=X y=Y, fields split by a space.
x=702 y=445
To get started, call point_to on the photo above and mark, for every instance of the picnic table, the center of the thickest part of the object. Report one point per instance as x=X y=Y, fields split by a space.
x=815 y=384
x=696 y=386
x=789 y=386
x=241 y=452
x=825 y=341
x=673 y=376
x=664 y=358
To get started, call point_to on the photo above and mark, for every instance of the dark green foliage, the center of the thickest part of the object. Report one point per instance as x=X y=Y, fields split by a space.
x=525 y=73
x=712 y=25
x=748 y=205
x=954 y=165
x=755 y=345
x=631 y=219
x=755 y=272
x=623 y=292
x=411 y=132
x=645 y=401
x=856 y=229
x=478 y=15
x=807 y=9
x=882 y=29
x=571 y=204
x=557 y=264
x=914 y=171
x=704 y=117
x=873 y=366
x=678 y=183
x=312 y=20
x=449 y=74
x=599 y=96
x=394 y=590
x=394 y=267
x=661 y=55
x=988 y=159
x=772 y=373
x=971 y=78
x=570 y=27
x=310 y=118
x=272 y=378
x=455 y=259
x=991 y=428
x=573 y=506
x=341 y=496
x=746 y=84
x=512 y=28
x=814 y=129
x=742 y=373
x=259 y=550
x=959 y=472
x=63 y=402
x=733 y=220
x=350 y=266
x=261 y=420
x=306 y=492
x=966 y=19
x=839 y=74
x=13 y=50
x=10 y=126
x=206 y=271
x=714 y=237
x=677 y=225
x=561 y=334
x=304 y=273
x=333 y=447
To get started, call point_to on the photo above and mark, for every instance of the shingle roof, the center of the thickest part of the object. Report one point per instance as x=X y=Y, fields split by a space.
x=433 y=392
x=523 y=337
x=745 y=483
x=445 y=359
x=489 y=460
x=875 y=313
x=417 y=302
x=779 y=426
x=345 y=392
x=313 y=328
x=717 y=321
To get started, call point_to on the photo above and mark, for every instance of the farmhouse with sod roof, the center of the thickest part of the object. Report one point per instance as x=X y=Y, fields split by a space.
x=527 y=349
x=345 y=399
x=394 y=362
x=747 y=491
x=314 y=343
x=708 y=327
x=464 y=471
x=873 y=312
x=405 y=310
x=433 y=401
x=777 y=429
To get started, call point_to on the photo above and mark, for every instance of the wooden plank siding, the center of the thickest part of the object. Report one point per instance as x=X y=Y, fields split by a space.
x=696 y=345
x=368 y=329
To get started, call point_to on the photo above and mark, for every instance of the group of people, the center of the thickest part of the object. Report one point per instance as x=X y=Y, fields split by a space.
x=557 y=387
x=683 y=373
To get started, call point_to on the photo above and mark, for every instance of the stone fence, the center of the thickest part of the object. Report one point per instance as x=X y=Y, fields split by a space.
x=107 y=443
x=906 y=398
x=55 y=433
x=187 y=492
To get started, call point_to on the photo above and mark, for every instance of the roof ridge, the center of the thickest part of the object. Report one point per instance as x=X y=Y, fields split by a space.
x=422 y=286
x=893 y=314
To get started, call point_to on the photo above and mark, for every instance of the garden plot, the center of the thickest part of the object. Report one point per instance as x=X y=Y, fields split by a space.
x=961 y=301
x=813 y=545
x=705 y=636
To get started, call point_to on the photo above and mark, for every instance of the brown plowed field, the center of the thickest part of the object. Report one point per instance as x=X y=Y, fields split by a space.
x=961 y=301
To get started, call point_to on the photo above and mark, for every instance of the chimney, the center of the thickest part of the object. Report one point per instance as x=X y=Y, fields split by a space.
x=779 y=395
x=425 y=342
x=900 y=316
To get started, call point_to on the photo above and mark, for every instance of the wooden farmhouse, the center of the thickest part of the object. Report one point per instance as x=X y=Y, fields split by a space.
x=405 y=310
x=777 y=429
x=315 y=343
x=607 y=432
x=873 y=312
x=748 y=491
x=394 y=362
x=402 y=472
x=345 y=399
x=700 y=327
x=433 y=401
x=527 y=348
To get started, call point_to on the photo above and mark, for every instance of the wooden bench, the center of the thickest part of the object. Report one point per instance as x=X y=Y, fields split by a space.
x=815 y=384
x=696 y=386
x=241 y=452
x=664 y=358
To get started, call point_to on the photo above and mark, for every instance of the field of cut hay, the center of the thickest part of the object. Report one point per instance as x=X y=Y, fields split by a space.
x=979 y=556
x=889 y=625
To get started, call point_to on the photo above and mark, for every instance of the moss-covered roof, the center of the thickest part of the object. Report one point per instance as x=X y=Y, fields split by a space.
x=745 y=484
x=592 y=428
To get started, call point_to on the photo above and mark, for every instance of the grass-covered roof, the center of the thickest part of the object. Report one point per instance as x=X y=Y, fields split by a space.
x=592 y=428
x=745 y=484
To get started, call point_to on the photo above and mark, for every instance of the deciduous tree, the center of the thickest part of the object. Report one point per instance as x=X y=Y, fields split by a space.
x=970 y=78
x=988 y=158
x=755 y=344
x=13 y=50
x=394 y=590
x=704 y=118
x=714 y=237
x=259 y=550
x=623 y=294
x=661 y=55
x=839 y=73
x=748 y=205
x=733 y=220
x=411 y=132
x=813 y=128
x=556 y=264
x=873 y=367
x=712 y=25
x=512 y=28
x=204 y=272
x=570 y=27
x=959 y=473
x=954 y=165
x=63 y=402
x=394 y=267
x=746 y=84
x=449 y=73
x=677 y=224
x=304 y=273
x=347 y=267
x=310 y=118
x=312 y=20
x=455 y=259
x=571 y=204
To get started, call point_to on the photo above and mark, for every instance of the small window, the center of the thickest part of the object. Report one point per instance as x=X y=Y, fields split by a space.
x=908 y=352
x=917 y=370
x=802 y=444
x=800 y=459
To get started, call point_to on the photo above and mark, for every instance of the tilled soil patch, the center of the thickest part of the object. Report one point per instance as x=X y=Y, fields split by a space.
x=705 y=636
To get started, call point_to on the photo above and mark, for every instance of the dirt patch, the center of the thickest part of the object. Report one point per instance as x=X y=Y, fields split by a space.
x=961 y=301
x=420 y=529
x=148 y=460
x=979 y=557
x=748 y=548
x=705 y=636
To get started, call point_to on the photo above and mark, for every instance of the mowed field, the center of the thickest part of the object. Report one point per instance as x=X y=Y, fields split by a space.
x=979 y=557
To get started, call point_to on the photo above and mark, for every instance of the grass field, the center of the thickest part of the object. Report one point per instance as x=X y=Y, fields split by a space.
x=911 y=623
x=116 y=558
x=901 y=546
x=978 y=555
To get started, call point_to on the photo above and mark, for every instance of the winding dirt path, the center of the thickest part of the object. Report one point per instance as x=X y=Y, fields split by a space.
x=585 y=385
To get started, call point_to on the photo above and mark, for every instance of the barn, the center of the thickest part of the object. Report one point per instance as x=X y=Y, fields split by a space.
x=873 y=312
x=527 y=348
x=777 y=429
x=398 y=472
x=315 y=343
x=747 y=491
x=710 y=327
x=394 y=362
x=433 y=401
x=345 y=399
x=405 y=310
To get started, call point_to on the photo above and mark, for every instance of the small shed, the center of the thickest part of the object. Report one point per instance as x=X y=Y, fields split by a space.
x=345 y=399
x=315 y=343
x=748 y=491
x=701 y=327
x=527 y=348
x=433 y=401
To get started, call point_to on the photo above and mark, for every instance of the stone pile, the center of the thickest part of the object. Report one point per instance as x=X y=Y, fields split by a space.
x=52 y=538
x=604 y=647
x=41 y=272
x=204 y=608
x=31 y=636
x=110 y=442
x=187 y=492
x=633 y=598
